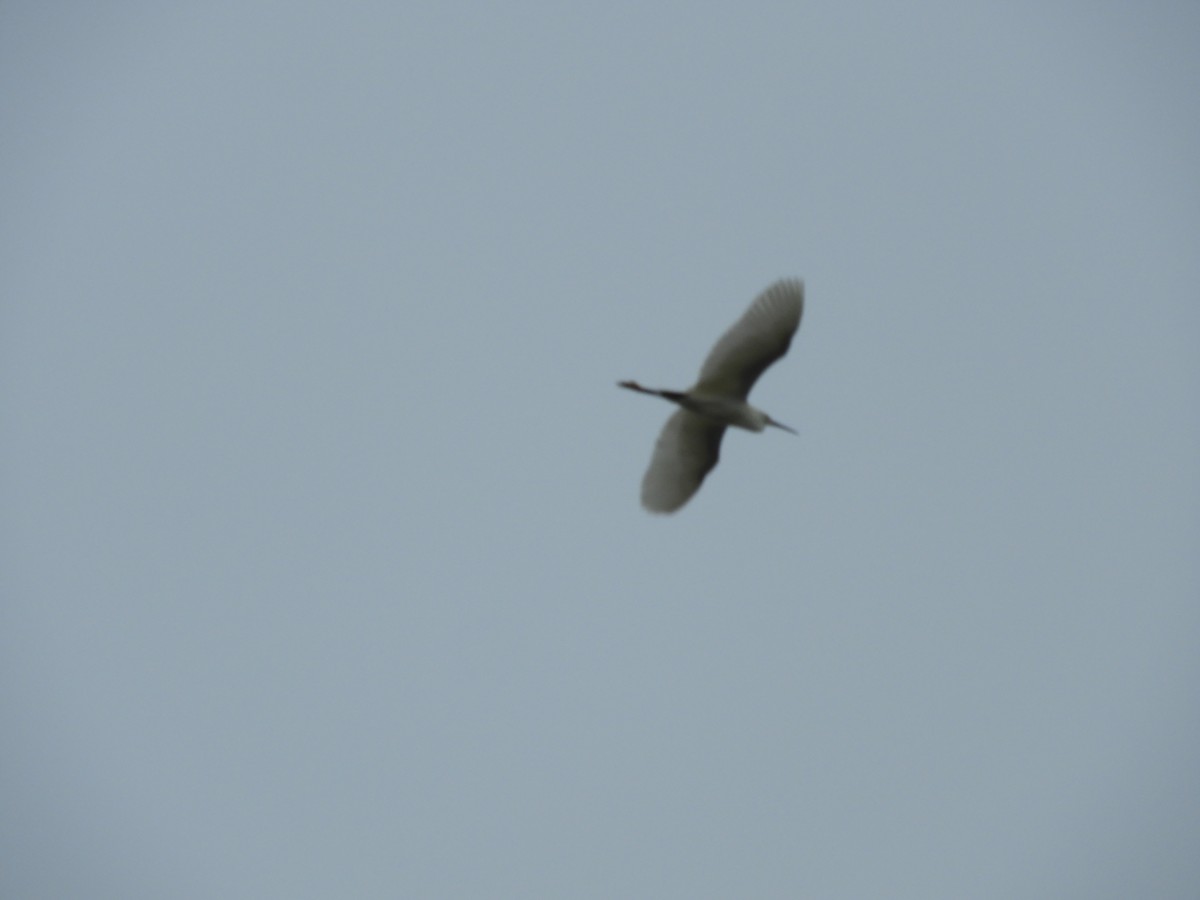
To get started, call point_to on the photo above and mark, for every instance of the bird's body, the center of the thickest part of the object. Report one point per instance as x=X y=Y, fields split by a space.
x=723 y=410
x=690 y=443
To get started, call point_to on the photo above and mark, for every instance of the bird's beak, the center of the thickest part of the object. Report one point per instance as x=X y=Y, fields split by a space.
x=771 y=421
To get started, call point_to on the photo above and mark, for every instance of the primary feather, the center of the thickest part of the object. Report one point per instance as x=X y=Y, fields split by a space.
x=687 y=449
x=760 y=337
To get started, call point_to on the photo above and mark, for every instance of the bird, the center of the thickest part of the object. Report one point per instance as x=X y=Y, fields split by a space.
x=690 y=443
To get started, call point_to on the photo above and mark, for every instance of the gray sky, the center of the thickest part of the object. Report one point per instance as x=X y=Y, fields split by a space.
x=324 y=572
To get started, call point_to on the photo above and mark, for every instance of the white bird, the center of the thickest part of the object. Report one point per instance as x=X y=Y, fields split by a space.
x=690 y=443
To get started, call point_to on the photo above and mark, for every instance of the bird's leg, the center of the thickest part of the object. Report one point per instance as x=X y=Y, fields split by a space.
x=673 y=396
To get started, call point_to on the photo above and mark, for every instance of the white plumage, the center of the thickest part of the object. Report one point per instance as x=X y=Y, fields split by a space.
x=690 y=443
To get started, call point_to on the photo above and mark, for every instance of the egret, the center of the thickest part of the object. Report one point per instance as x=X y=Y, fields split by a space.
x=690 y=442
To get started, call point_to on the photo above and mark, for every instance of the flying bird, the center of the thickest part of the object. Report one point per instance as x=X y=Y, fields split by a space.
x=690 y=443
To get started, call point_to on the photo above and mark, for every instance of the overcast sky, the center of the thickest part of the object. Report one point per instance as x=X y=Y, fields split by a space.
x=323 y=568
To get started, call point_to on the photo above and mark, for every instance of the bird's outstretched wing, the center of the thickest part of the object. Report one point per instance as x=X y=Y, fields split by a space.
x=761 y=336
x=687 y=449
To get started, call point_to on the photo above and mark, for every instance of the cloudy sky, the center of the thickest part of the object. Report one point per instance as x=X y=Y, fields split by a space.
x=323 y=568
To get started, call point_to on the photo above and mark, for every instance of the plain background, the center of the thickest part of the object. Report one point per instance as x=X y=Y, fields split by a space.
x=323 y=569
